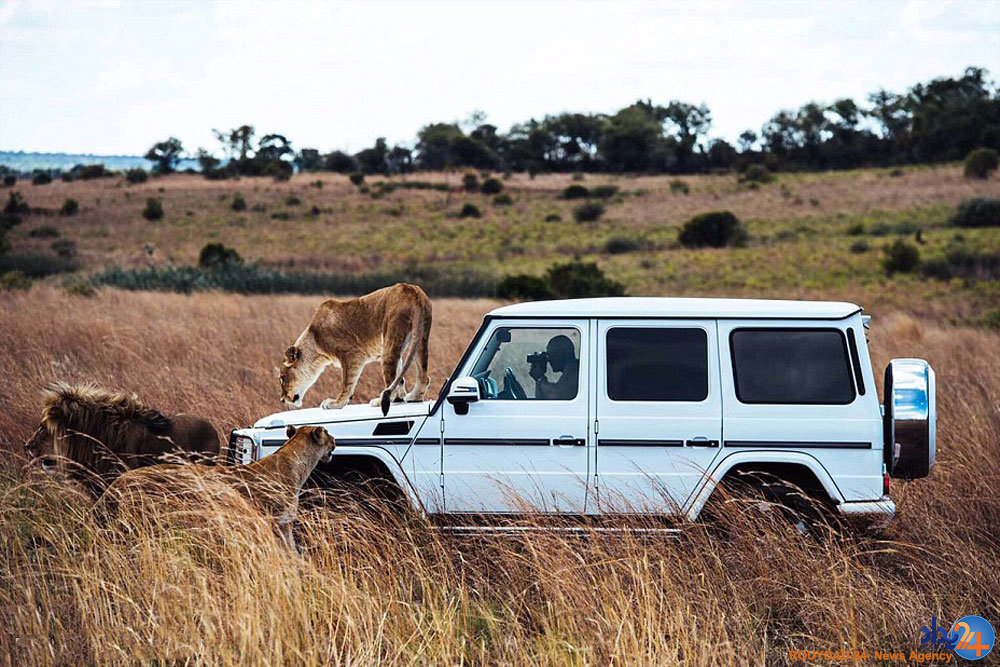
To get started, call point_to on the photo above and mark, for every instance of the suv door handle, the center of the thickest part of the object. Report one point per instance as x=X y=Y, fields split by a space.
x=568 y=441
x=701 y=441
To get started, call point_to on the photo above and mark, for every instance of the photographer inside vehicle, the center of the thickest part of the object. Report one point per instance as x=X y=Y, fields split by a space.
x=561 y=356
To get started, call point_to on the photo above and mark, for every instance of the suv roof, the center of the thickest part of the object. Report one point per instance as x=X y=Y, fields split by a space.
x=642 y=306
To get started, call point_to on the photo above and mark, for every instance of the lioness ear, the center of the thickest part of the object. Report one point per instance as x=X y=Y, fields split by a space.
x=318 y=434
x=289 y=431
x=292 y=354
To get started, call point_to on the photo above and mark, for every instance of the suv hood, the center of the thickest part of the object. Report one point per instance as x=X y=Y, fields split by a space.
x=348 y=413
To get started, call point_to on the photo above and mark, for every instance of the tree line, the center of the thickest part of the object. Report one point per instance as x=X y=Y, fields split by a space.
x=940 y=120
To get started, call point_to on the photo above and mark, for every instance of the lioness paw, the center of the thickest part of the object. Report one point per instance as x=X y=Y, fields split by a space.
x=330 y=404
x=375 y=402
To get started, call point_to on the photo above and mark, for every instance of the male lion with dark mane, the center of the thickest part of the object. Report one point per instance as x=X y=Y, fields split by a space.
x=392 y=324
x=90 y=435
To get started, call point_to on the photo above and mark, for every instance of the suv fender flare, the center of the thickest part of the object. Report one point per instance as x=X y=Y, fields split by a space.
x=704 y=492
x=391 y=464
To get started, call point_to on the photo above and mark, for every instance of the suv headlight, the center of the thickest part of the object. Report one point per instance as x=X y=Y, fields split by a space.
x=246 y=450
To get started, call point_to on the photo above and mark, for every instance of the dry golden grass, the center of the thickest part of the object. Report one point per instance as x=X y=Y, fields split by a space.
x=213 y=586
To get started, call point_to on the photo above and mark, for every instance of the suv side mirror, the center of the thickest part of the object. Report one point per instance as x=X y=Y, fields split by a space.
x=462 y=392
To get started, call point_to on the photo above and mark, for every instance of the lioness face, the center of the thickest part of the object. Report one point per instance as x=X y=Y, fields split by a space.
x=296 y=376
x=317 y=436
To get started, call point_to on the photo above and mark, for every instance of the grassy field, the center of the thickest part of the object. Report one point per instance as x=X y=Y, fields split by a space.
x=818 y=235
x=213 y=587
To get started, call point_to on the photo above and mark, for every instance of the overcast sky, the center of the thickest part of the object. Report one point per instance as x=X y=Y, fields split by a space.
x=111 y=77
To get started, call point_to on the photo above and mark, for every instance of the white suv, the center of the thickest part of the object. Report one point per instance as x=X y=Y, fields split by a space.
x=642 y=405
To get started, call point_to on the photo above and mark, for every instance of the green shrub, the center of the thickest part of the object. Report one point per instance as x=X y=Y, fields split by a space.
x=65 y=248
x=238 y=203
x=16 y=204
x=503 y=200
x=716 y=229
x=318 y=184
x=9 y=180
x=470 y=182
x=756 y=173
x=679 y=187
x=960 y=262
x=977 y=212
x=859 y=247
x=991 y=319
x=135 y=176
x=41 y=178
x=357 y=178
x=153 y=210
x=523 y=287
x=281 y=215
x=618 y=245
x=491 y=186
x=880 y=229
x=575 y=191
x=900 y=257
x=216 y=256
x=470 y=211
x=981 y=162
x=44 y=232
x=37 y=264
x=67 y=177
x=590 y=211
x=88 y=171
x=604 y=191
x=857 y=229
x=578 y=279
x=553 y=217
x=14 y=280
x=292 y=200
x=577 y=176
x=70 y=206
x=80 y=287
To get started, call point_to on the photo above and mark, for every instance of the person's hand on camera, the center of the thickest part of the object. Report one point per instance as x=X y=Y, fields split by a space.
x=537 y=370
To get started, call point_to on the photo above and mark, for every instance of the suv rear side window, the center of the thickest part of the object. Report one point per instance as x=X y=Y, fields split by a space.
x=657 y=364
x=791 y=366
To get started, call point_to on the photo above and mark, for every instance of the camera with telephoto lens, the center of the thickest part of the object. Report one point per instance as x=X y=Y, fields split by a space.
x=539 y=359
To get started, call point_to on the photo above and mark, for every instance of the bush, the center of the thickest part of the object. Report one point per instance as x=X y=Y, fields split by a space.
x=44 y=232
x=503 y=200
x=153 y=210
x=857 y=229
x=215 y=256
x=618 y=245
x=16 y=204
x=37 y=264
x=12 y=280
x=9 y=180
x=677 y=186
x=41 y=178
x=357 y=178
x=69 y=207
x=470 y=211
x=859 y=247
x=991 y=319
x=578 y=279
x=960 y=262
x=292 y=200
x=577 y=175
x=575 y=191
x=136 y=175
x=470 y=182
x=65 y=248
x=239 y=203
x=716 y=229
x=491 y=186
x=977 y=212
x=590 y=211
x=900 y=257
x=604 y=191
x=81 y=287
x=553 y=217
x=523 y=287
x=89 y=171
x=980 y=162
x=756 y=173
x=67 y=177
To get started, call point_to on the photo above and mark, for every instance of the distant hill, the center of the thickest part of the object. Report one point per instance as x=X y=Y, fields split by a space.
x=27 y=162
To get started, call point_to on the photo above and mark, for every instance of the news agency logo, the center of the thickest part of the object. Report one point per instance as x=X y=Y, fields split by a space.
x=971 y=637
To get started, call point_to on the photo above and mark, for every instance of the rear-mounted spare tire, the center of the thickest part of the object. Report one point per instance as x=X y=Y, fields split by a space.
x=910 y=419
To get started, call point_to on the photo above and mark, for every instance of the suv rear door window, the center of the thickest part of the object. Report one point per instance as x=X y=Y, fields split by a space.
x=657 y=364
x=791 y=366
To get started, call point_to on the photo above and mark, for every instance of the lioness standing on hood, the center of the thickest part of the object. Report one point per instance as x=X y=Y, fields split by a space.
x=391 y=324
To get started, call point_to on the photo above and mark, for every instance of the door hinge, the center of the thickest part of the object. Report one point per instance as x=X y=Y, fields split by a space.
x=441 y=426
x=597 y=426
x=441 y=480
